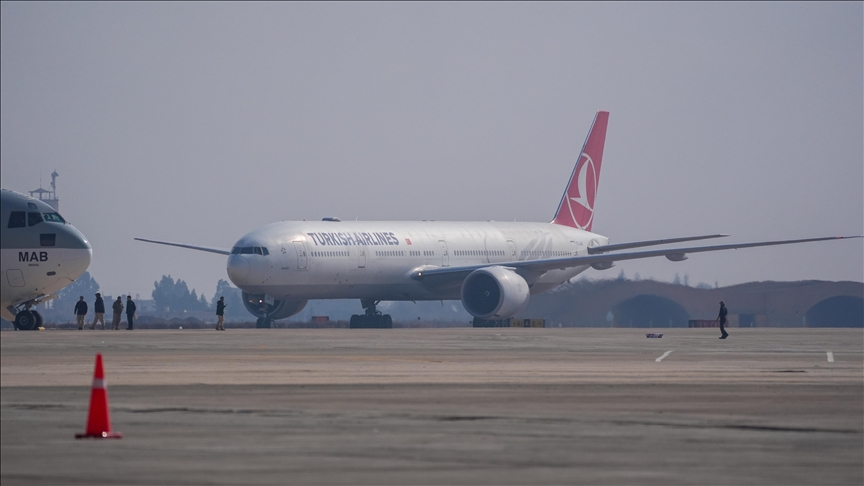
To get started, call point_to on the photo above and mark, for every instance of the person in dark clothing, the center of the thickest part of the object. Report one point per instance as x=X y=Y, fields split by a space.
x=118 y=311
x=99 y=309
x=130 y=313
x=722 y=318
x=220 y=313
x=80 y=312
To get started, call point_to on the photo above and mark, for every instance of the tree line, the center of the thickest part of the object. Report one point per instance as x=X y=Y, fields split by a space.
x=174 y=296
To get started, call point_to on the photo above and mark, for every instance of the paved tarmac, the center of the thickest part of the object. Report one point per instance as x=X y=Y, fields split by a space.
x=437 y=406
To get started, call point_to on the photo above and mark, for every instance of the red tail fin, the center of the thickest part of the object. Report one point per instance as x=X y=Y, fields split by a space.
x=577 y=204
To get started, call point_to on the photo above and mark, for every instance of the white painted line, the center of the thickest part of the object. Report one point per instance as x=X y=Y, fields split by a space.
x=830 y=357
x=667 y=353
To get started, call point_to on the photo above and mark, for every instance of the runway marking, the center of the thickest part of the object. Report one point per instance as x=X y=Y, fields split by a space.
x=667 y=353
x=830 y=357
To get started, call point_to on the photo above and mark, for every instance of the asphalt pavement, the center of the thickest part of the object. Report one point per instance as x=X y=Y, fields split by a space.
x=437 y=406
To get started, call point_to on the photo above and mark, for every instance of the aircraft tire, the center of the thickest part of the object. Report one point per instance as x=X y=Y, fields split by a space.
x=38 y=317
x=387 y=322
x=355 y=322
x=25 y=321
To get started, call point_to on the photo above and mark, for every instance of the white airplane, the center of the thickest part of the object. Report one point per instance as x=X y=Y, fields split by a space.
x=492 y=267
x=40 y=253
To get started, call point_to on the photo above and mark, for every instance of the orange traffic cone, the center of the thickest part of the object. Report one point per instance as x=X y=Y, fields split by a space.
x=98 y=422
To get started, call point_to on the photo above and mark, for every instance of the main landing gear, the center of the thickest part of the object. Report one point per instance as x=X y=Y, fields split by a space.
x=372 y=319
x=264 y=323
x=27 y=320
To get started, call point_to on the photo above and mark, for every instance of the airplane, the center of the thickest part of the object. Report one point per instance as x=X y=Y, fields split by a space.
x=492 y=267
x=40 y=254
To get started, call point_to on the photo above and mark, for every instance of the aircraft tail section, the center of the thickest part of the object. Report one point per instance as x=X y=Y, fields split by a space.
x=577 y=204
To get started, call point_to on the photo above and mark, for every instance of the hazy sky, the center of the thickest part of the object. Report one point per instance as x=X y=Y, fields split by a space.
x=199 y=122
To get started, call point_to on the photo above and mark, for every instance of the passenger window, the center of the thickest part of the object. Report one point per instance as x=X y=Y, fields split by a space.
x=47 y=239
x=33 y=219
x=16 y=219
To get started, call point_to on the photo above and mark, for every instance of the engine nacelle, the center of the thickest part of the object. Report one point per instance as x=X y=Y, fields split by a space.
x=257 y=305
x=676 y=257
x=494 y=293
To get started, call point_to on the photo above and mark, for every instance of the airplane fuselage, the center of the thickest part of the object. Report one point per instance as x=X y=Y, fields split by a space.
x=375 y=260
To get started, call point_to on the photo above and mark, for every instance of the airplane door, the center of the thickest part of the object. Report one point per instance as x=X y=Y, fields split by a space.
x=445 y=257
x=361 y=256
x=15 y=277
x=512 y=247
x=301 y=255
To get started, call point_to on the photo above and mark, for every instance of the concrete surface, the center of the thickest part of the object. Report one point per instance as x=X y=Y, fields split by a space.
x=437 y=406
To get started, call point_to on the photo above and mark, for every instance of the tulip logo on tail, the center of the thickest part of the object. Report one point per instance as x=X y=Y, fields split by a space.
x=580 y=199
x=577 y=205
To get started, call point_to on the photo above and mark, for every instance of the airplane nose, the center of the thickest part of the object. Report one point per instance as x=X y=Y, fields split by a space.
x=76 y=253
x=238 y=269
x=76 y=261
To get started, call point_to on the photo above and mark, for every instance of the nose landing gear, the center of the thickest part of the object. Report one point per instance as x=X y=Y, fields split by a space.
x=372 y=319
x=264 y=323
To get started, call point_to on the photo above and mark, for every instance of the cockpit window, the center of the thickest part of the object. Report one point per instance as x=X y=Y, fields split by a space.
x=33 y=219
x=249 y=250
x=17 y=219
x=53 y=218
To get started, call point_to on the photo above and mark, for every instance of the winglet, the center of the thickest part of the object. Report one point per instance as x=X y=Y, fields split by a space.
x=576 y=208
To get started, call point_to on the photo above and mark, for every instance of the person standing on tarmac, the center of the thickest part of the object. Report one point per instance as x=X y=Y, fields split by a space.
x=99 y=309
x=118 y=311
x=130 y=313
x=722 y=319
x=80 y=312
x=220 y=313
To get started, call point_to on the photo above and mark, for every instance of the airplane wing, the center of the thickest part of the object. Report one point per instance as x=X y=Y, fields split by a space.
x=220 y=251
x=531 y=270
x=639 y=244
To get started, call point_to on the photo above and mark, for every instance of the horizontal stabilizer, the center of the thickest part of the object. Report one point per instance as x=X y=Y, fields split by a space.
x=220 y=251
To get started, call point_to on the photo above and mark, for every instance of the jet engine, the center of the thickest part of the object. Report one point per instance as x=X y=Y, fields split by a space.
x=494 y=293
x=257 y=305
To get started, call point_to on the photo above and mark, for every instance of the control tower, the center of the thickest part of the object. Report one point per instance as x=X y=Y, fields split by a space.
x=46 y=196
